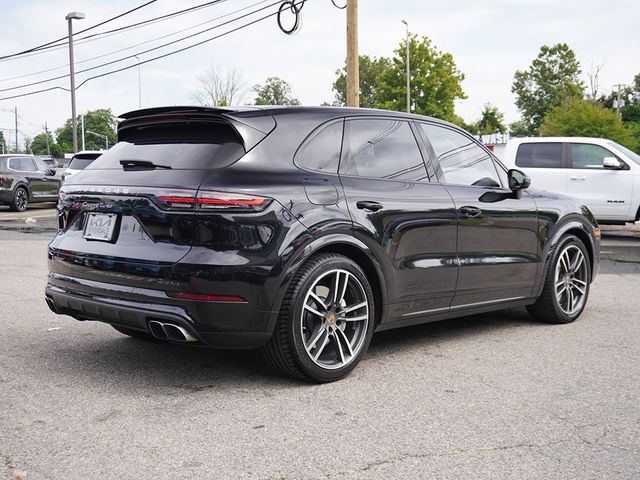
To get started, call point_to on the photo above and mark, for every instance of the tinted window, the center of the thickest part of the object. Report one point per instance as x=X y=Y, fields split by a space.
x=41 y=166
x=322 y=152
x=14 y=163
x=26 y=165
x=383 y=149
x=584 y=155
x=462 y=160
x=539 y=155
x=193 y=146
x=80 y=162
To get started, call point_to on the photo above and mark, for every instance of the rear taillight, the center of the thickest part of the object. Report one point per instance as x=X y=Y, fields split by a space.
x=187 y=199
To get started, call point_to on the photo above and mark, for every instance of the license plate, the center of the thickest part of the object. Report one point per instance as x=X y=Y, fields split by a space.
x=100 y=226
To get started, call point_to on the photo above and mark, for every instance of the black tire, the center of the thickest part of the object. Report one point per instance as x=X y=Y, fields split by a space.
x=134 y=333
x=286 y=351
x=548 y=307
x=20 y=200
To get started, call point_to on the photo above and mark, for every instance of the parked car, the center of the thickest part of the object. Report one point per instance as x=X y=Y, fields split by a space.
x=602 y=174
x=25 y=179
x=80 y=161
x=303 y=230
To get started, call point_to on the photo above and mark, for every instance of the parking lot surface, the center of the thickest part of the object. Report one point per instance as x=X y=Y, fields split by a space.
x=491 y=396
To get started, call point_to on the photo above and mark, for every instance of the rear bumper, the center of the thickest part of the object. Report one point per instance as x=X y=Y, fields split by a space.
x=199 y=319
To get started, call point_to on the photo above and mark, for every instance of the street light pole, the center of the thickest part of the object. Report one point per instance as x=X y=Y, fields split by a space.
x=408 y=71
x=73 y=16
x=139 y=84
x=106 y=138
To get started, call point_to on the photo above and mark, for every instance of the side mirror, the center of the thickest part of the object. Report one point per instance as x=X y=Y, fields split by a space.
x=518 y=180
x=51 y=172
x=612 y=163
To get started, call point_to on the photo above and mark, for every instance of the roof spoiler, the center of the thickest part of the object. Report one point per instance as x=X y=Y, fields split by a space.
x=252 y=124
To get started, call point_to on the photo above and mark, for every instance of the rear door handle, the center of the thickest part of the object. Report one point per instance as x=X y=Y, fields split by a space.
x=369 y=205
x=470 y=211
x=575 y=177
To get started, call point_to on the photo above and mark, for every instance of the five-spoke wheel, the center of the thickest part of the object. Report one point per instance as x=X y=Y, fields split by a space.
x=326 y=320
x=566 y=286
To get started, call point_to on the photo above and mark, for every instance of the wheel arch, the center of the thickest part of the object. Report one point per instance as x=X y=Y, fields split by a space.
x=571 y=227
x=341 y=244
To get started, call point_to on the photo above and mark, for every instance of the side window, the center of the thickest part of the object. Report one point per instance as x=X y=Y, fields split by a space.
x=462 y=160
x=26 y=165
x=322 y=152
x=539 y=155
x=14 y=164
x=584 y=155
x=381 y=148
x=41 y=166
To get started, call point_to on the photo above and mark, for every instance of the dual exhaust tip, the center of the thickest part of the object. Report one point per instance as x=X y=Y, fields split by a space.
x=170 y=331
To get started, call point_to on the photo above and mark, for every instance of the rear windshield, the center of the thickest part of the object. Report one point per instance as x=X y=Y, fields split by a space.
x=183 y=146
x=80 y=162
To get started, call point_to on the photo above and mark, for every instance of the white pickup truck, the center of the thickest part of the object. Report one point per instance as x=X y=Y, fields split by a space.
x=604 y=175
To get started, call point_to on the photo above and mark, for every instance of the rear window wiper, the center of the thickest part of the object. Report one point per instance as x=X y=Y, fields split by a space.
x=141 y=164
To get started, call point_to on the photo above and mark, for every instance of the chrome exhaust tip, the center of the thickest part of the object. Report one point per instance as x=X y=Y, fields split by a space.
x=170 y=331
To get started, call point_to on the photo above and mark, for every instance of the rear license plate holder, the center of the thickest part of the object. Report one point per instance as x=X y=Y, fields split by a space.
x=100 y=226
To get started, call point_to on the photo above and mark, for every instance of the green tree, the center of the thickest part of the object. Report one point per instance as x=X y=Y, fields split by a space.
x=581 y=118
x=435 y=81
x=491 y=121
x=100 y=121
x=519 y=128
x=552 y=78
x=275 y=91
x=371 y=69
x=39 y=145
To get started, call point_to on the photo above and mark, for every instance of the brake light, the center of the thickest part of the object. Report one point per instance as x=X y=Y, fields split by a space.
x=206 y=297
x=210 y=200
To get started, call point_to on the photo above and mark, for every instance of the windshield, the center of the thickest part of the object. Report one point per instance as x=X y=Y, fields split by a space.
x=629 y=153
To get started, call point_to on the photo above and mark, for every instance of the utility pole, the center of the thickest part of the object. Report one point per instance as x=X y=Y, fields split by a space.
x=46 y=135
x=70 y=17
x=408 y=71
x=82 y=123
x=619 y=88
x=16 y=112
x=353 y=67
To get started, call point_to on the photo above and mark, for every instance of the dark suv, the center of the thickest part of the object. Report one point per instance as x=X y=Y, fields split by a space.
x=304 y=230
x=24 y=179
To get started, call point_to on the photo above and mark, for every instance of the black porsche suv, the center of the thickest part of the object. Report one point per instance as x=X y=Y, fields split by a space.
x=302 y=231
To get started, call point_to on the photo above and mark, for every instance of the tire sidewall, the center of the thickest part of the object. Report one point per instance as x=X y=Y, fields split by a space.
x=304 y=284
x=551 y=277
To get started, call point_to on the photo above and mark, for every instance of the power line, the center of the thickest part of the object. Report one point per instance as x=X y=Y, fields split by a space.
x=154 y=58
x=137 y=44
x=40 y=82
x=40 y=47
x=96 y=36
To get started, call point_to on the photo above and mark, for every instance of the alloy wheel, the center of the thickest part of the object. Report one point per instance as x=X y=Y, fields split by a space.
x=334 y=319
x=571 y=280
x=21 y=199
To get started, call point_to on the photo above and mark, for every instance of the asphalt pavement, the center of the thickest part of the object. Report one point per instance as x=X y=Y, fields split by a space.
x=495 y=396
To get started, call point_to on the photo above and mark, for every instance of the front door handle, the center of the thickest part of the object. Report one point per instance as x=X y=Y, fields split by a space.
x=470 y=211
x=575 y=177
x=369 y=205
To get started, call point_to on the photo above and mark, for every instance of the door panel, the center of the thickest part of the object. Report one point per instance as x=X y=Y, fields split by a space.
x=607 y=193
x=413 y=234
x=497 y=244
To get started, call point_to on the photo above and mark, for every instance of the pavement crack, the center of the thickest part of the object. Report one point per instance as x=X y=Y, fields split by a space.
x=457 y=451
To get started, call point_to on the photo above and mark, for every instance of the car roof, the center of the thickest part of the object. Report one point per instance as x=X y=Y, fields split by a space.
x=559 y=140
x=325 y=112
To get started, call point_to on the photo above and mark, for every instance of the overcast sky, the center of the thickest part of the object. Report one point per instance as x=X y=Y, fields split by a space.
x=488 y=39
